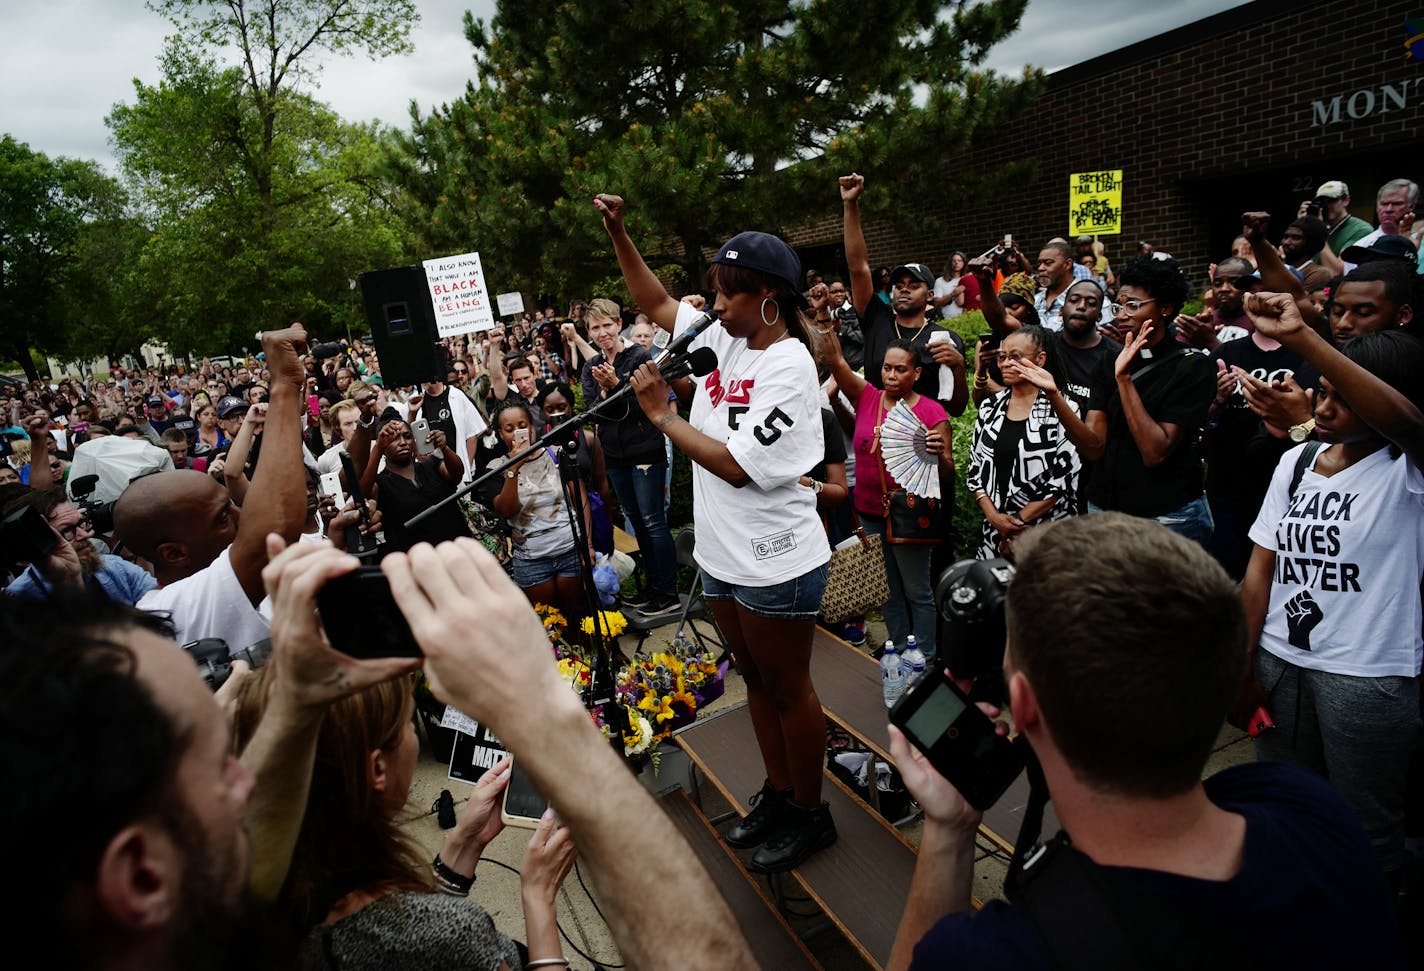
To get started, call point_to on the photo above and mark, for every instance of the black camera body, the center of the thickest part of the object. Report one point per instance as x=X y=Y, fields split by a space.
x=958 y=739
x=99 y=515
x=215 y=662
x=26 y=537
x=970 y=628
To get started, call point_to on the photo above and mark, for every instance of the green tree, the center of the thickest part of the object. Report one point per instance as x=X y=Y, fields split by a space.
x=710 y=117
x=263 y=202
x=51 y=211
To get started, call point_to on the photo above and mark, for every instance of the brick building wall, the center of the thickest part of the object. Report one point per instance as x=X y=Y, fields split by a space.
x=1249 y=109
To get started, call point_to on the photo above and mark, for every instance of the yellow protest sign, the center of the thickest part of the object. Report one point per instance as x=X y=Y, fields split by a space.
x=1095 y=203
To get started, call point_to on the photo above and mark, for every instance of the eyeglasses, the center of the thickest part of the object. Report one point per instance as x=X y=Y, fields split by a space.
x=1131 y=306
x=461 y=370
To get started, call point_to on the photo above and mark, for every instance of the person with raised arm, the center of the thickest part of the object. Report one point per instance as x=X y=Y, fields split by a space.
x=754 y=430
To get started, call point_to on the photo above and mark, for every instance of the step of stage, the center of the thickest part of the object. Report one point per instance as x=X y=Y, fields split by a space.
x=847 y=681
x=772 y=940
x=861 y=882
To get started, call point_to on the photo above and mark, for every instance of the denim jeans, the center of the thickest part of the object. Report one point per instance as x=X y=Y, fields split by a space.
x=910 y=609
x=640 y=493
x=1192 y=521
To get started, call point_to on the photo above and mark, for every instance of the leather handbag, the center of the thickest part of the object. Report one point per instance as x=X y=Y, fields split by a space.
x=910 y=518
x=856 y=580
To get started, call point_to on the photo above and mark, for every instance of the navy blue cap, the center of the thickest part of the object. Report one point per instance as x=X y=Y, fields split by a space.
x=764 y=253
x=1385 y=248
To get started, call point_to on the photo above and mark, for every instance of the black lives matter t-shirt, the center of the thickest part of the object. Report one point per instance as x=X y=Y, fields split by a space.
x=1178 y=389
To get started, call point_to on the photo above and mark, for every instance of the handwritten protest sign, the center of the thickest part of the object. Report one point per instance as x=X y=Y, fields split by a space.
x=457 y=290
x=509 y=303
x=1095 y=203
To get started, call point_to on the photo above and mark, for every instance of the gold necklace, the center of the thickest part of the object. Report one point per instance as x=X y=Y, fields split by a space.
x=900 y=330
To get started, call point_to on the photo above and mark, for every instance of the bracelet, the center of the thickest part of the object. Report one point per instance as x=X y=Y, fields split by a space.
x=548 y=962
x=817 y=486
x=450 y=882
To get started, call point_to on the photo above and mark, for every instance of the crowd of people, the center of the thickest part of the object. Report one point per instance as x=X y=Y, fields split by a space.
x=1269 y=416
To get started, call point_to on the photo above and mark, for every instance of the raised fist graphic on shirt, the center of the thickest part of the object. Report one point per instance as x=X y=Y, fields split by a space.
x=1302 y=616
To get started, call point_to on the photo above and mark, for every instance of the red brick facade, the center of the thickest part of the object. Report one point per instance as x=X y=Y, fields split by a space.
x=1249 y=109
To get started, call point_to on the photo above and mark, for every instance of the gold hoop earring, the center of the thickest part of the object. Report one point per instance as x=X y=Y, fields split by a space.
x=773 y=321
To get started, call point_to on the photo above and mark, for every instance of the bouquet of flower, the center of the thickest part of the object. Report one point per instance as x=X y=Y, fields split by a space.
x=659 y=693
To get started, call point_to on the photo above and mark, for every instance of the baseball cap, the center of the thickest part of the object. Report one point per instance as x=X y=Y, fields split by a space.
x=157 y=401
x=228 y=404
x=1393 y=248
x=764 y=253
x=917 y=270
x=1334 y=189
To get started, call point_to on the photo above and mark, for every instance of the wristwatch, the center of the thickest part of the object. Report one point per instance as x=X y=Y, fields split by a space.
x=511 y=473
x=1299 y=433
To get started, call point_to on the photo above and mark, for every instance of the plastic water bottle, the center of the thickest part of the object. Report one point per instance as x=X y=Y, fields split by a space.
x=892 y=678
x=912 y=661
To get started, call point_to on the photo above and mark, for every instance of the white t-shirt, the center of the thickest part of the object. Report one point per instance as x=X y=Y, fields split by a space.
x=1349 y=557
x=943 y=288
x=766 y=407
x=210 y=603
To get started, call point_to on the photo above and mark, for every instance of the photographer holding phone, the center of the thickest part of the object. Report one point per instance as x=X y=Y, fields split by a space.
x=1248 y=864
x=410 y=484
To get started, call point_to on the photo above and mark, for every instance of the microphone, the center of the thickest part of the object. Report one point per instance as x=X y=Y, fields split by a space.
x=700 y=362
x=679 y=347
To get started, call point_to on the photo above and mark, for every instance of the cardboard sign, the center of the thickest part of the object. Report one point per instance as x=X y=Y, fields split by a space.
x=1095 y=203
x=476 y=749
x=509 y=303
x=458 y=293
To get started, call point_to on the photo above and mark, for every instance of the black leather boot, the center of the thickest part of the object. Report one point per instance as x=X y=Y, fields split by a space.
x=802 y=833
x=768 y=806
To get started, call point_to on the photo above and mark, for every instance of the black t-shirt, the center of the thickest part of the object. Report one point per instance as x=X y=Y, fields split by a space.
x=879 y=328
x=435 y=409
x=1179 y=389
x=835 y=445
x=398 y=499
x=1075 y=369
x=1306 y=867
x=1241 y=455
x=628 y=437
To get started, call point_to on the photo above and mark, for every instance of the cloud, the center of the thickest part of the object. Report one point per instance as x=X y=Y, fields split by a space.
x=69 y=61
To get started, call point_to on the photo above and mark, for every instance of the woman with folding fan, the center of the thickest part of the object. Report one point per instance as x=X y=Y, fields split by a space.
x=901 y=441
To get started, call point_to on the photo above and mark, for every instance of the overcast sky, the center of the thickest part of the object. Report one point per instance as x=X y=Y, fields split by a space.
x=67 y=62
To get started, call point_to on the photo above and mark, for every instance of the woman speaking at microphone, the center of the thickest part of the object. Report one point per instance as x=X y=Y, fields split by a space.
x=755 y=430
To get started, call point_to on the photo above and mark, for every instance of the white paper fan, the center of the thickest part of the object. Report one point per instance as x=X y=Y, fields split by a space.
x=906 y=453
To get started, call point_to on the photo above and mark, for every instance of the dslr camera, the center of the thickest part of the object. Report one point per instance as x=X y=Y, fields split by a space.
x=215 y=661
x=939 y=718
x=99 y=515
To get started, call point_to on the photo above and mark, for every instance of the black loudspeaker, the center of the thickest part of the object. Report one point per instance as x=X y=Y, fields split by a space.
x=402 y=320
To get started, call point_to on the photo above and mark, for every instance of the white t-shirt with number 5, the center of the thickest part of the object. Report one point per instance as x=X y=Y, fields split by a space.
x=765 y=407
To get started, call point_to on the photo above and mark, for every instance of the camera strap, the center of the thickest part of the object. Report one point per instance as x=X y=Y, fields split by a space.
x=1084 y=915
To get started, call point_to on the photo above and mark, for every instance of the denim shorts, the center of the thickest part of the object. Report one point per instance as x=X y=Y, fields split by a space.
x=530 y=573
x=796 y=599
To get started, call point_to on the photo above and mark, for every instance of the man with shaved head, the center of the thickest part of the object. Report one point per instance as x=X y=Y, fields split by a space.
x=207 y=557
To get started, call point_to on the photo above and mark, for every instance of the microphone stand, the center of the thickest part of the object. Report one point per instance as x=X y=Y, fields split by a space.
x=603 y=686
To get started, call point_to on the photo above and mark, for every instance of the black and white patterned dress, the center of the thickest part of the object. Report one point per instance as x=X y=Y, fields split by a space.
x=1045 y=464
